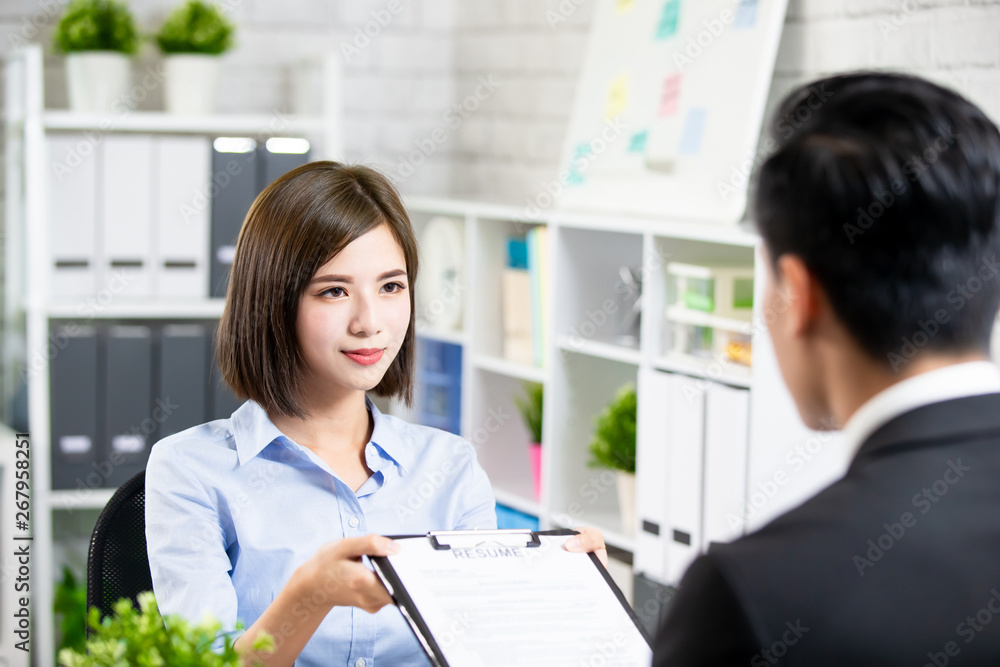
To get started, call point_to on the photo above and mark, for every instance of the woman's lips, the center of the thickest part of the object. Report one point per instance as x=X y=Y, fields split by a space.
x=365 y=357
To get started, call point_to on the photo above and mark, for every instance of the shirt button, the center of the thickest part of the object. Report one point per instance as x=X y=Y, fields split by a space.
x=354 y=524
x=360 y=662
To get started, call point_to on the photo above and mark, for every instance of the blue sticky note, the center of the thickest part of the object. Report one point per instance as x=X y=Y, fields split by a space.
x=694 y=129
x=669 y=20
x=746 y=14
x=638 y=144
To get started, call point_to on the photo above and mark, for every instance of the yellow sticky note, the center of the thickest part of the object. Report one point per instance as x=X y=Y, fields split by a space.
x=624 y=5
x=617 y=97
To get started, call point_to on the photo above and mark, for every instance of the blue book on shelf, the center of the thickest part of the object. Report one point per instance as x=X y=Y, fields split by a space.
x=517 y=253
x=439 y=377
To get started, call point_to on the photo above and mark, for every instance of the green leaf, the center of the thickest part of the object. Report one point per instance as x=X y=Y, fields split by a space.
x=96 y=25
x=196 y=27
x=530 y=407
x=143 y=638
x=613 y=445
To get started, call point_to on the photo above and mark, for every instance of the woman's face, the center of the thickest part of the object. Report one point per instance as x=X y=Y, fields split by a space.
x=354 y=314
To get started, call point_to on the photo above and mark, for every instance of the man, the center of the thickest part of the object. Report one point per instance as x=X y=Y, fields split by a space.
x=879 y=216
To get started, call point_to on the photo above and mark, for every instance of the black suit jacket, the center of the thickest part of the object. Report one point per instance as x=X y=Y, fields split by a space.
x=898 y=563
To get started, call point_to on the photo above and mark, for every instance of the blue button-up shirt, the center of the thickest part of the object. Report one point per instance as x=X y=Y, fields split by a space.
x=234 y=506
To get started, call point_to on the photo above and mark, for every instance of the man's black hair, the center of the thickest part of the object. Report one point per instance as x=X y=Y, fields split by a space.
x=888 y=188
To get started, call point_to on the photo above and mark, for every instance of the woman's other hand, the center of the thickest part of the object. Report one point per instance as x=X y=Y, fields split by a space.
x=589 y=540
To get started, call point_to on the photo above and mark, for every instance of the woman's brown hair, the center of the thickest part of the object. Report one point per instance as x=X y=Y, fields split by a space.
x=296 y=225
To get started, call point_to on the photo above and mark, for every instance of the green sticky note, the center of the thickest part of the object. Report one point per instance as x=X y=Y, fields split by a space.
x=638 y=144
x=669 y=20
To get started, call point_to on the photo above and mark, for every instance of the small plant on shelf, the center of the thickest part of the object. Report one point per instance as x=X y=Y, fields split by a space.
x=192 y=39
x=613 y=445
x=141 y=637
x=97 y=36
x=529 y=404
x=96 y=25
x=196 y=27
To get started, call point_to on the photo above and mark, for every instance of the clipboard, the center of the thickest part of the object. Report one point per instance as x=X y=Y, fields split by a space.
x=481 y=598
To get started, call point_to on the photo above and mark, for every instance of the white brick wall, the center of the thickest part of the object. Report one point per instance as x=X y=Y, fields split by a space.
x=953 y=42
x=416 y=83
x=396 y=88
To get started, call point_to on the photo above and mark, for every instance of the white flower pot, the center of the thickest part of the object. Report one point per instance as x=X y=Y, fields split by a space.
x=97 y=79
x=626 y=500
x=192 y=81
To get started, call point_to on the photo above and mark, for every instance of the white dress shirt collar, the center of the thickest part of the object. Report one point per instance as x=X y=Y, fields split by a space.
x=957 y=381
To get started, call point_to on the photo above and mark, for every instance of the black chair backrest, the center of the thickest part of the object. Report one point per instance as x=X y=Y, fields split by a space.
x=118 y=566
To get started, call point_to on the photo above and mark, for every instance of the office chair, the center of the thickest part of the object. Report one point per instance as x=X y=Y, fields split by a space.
x=117 y=565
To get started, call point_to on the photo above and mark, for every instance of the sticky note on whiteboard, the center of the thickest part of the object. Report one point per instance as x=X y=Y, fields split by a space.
x=694 y=130
x=669 y=20
x=746 y=14
x=638 y=142
x=670 y=95
x=617 y=97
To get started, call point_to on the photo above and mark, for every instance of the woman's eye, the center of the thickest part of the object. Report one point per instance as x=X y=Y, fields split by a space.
x=334 y=291
x=393 y=287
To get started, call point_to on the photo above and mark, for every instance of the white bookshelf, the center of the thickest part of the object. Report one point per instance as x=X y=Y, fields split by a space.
x=29 y=309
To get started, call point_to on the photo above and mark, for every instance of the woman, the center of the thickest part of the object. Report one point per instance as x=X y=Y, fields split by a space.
x=264 y=518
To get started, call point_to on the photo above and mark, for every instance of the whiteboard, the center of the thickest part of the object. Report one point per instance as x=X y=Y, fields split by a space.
x=669 y=107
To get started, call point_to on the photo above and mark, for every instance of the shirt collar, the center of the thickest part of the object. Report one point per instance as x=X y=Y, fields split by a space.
x=386 y=435
x=971 y=378
x=254 y=431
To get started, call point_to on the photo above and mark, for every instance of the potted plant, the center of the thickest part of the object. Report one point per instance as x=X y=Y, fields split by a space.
x=143 y=637
x=614 y=447
x=530 y=407
x=192 y=39
x=97 y=36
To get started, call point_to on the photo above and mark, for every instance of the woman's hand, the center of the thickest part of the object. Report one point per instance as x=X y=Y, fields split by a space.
x=333 y=577
x=336 y=569
x=589 y=540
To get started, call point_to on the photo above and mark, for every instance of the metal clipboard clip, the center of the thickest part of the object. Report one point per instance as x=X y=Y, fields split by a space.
x=442 y=540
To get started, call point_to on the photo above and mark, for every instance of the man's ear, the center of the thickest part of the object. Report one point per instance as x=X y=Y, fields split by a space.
x=802 y=292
